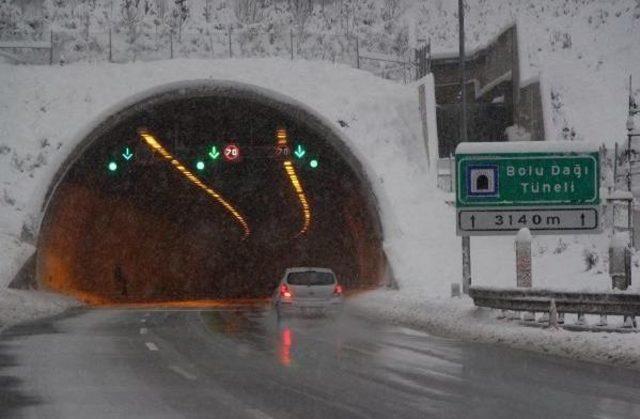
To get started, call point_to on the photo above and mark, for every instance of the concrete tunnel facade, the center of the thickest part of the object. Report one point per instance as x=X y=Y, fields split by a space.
x=90 y=229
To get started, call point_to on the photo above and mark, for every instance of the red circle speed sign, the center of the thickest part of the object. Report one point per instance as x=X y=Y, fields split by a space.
x=231 y=153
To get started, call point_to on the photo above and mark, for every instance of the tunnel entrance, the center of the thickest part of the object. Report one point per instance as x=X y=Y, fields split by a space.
x=188 y=218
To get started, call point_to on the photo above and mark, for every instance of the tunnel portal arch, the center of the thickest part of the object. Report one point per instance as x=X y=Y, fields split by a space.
x=202 y=89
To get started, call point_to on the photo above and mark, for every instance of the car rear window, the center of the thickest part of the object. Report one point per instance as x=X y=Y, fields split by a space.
x=311 y=278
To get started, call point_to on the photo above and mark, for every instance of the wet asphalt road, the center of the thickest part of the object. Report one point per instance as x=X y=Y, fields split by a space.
x=244 y=363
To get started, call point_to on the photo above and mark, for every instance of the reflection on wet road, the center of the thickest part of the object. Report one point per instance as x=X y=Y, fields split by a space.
x=244 y=362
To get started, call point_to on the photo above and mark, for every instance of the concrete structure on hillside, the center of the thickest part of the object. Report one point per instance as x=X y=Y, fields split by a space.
x=496 y=96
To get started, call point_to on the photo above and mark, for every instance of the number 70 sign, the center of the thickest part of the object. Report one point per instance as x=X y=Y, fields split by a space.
x=231 y=153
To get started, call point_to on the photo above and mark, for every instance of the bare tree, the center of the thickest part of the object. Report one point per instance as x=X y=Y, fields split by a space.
x=207 y=11
x=131 y=17
x=391 y=9
x=301 y=11
x=161 y=8
x=9 y=16
x=248 y=11
x=179 y=15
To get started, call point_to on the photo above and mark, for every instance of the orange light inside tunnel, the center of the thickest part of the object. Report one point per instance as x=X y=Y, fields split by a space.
x=281 y=140
x=295 y=182
x=281 y=135
x=156 y=146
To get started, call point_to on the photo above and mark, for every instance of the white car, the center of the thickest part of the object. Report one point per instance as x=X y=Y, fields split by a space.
x=308 y=291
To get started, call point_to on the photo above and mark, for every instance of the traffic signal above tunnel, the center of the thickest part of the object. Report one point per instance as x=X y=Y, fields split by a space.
x=124 y=156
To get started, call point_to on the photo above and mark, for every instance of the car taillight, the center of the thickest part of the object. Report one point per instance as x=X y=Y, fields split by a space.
x=337 y=290
x=285 y=292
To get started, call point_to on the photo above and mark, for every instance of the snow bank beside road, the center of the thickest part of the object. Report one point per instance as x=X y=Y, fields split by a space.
x=17 y=306
x=459 y=318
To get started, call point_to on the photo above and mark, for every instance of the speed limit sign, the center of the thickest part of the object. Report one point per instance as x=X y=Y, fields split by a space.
x=231 y=153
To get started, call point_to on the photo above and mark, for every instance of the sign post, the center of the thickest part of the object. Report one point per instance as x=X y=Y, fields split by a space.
x=547 y=187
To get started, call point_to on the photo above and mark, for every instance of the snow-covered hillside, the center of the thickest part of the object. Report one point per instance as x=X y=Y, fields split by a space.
x=583 y=50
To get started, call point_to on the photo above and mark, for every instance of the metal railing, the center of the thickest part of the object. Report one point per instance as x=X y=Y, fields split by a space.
x=550 y=303
x=119 y=45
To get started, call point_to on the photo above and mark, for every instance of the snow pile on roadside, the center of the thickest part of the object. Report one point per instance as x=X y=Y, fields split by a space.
x=459 y=318
x=19 y=252
x=17 y=306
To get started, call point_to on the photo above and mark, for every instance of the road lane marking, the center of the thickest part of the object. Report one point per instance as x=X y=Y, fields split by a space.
x=143 y=320
x=258 y=414
x=152 y=346
x=143 y=330
x=182 y=372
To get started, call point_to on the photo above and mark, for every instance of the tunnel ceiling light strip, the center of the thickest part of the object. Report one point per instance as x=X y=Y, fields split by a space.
x=155 y=145
x=295 y=182
x=281 y=141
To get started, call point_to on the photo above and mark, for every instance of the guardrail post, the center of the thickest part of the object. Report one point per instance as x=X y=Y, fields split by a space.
x=603 y=321
x=560 y=318
x=629 y=322
x=581 y=320
x=620 y=261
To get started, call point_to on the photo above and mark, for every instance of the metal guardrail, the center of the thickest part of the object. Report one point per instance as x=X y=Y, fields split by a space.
x=539 y=300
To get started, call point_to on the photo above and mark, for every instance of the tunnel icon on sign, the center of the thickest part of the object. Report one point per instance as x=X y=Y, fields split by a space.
x=482 y=180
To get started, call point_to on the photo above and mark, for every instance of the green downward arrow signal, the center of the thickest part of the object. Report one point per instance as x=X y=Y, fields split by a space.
x=214 y=153
x=299 y=151
x=127 y=154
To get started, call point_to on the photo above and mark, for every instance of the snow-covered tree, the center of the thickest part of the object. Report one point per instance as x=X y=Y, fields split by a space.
x=132 y=14
x=207 y=10
x=248 y=11
x=179 y=15
x=10 y=17
x=301 y=11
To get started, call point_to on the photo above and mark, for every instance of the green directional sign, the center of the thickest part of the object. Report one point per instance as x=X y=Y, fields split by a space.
x=491 y=180
x=214 y=153
x=548 y=187
x=127 y=155
x=299 y=151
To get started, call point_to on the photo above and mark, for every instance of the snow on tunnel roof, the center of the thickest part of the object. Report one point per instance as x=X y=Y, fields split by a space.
x=526 y=147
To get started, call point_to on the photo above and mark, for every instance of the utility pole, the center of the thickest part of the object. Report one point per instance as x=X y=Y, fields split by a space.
x=631 y=134
x=463 y=90
x=466 y=240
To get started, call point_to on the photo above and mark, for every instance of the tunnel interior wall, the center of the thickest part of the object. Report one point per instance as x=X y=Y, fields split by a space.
x=105 y=247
